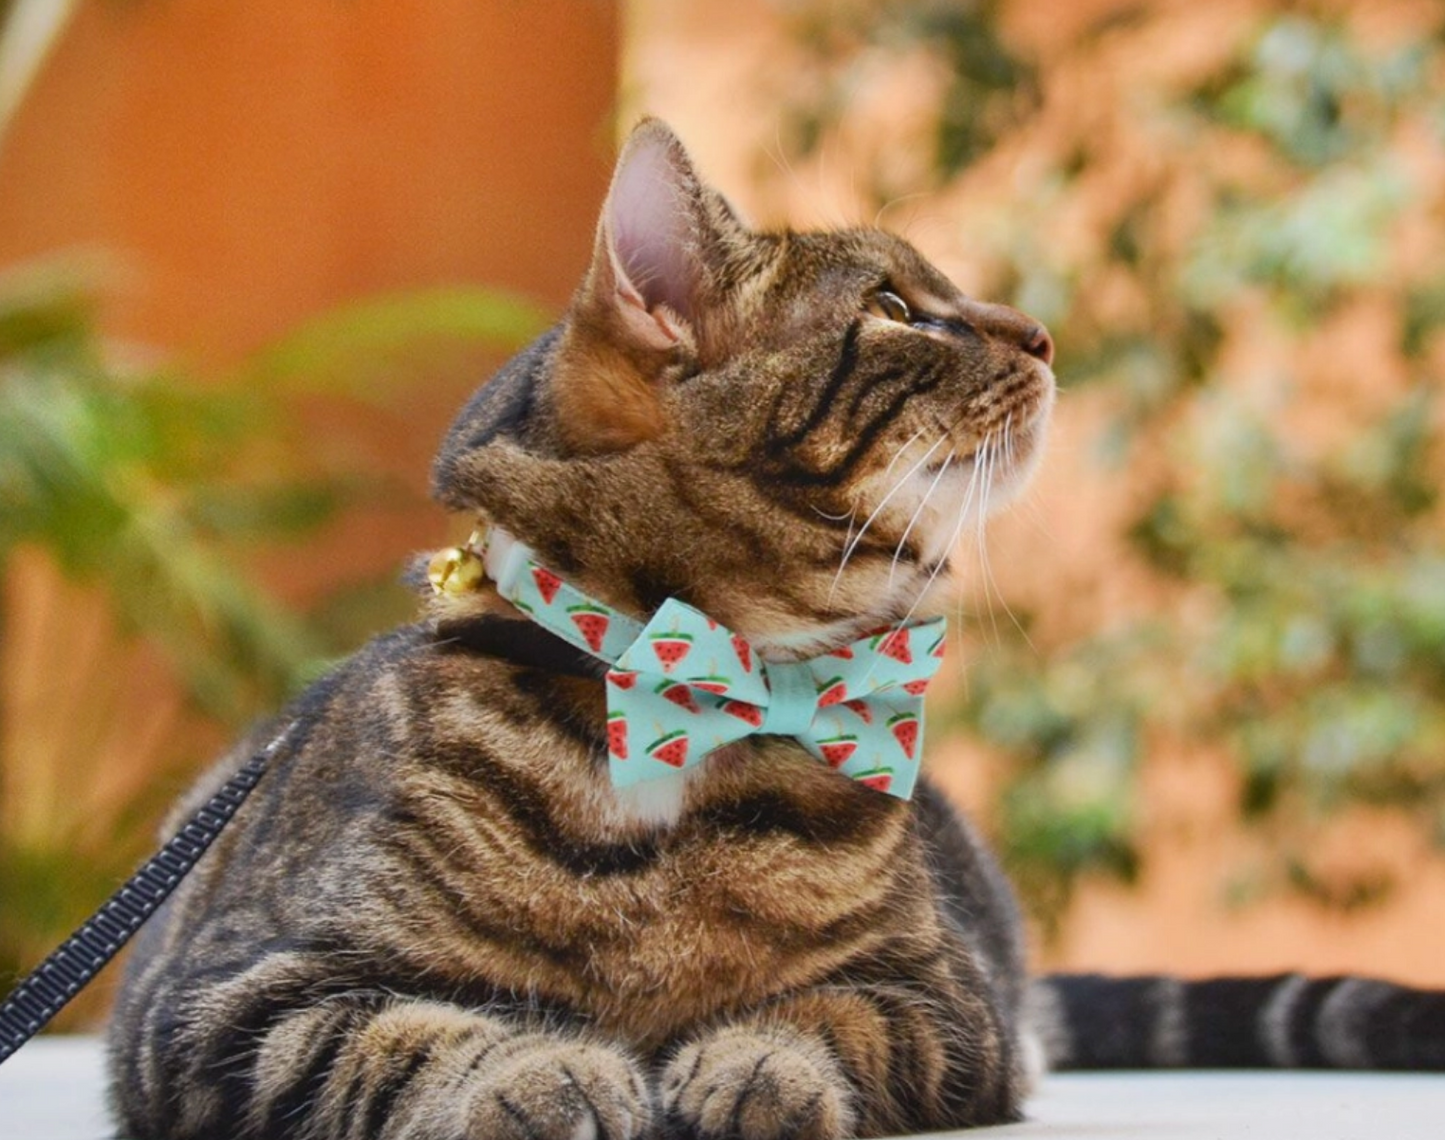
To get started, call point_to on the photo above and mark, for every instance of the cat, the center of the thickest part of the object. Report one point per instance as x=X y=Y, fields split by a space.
x=438 y=917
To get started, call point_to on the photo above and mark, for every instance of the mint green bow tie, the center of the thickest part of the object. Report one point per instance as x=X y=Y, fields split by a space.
x=683 y=686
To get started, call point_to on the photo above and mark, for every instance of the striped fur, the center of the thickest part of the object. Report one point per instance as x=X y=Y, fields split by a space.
x=435 y=920
x=432 y=923
x=1286 y=1021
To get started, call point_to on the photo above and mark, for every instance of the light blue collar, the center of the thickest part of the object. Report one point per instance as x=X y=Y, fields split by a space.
x=682 y=686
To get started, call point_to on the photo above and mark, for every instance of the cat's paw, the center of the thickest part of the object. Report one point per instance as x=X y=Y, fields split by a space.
x=551 y=1089
x=743 y=1084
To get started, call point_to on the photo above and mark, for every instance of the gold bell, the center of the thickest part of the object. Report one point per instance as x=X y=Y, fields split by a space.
x=456 y=570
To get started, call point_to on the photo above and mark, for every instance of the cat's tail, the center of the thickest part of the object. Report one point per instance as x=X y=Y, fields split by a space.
x=1288 y=1021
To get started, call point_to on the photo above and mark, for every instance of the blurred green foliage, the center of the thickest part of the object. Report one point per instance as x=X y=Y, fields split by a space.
x=988 y=86
x=988 y=89
x=1281 y=188
x=157 y=488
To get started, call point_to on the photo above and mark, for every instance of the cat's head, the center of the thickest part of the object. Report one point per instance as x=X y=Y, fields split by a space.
x=790 y=431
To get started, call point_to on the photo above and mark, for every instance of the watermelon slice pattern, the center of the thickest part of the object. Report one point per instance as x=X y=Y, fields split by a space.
x=670 y=748
x=708 y=686
x=697 y=686
x=547 y=583
x=905 y=728
x=671 y=648
x=678 y=694
x=549 y=600
x=879 y=779
x=833 y=691
x=838 y=750
x=748 y=714
x=617 y=735
x=591 y=623
x=895 y=644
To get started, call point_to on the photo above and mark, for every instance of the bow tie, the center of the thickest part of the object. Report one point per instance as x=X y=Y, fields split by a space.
x=682 y=686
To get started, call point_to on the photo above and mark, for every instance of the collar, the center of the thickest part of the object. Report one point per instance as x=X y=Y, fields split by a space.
x=696 y=686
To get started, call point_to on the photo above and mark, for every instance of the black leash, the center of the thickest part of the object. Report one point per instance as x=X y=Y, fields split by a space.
x=51 y=985
x=49 y=988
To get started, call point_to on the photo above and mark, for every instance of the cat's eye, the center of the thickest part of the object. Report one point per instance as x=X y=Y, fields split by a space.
x=889 y=305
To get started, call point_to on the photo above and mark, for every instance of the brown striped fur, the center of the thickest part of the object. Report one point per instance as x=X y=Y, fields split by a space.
x=434 y=919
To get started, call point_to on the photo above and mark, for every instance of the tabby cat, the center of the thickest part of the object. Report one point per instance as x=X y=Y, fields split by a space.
x=438 y=919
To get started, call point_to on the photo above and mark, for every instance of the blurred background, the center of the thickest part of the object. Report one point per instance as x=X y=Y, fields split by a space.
x=253 y=257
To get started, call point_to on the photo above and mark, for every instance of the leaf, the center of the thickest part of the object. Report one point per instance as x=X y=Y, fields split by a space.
x=352 y=348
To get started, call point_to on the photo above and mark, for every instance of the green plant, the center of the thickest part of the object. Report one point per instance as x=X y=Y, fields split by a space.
x=151 y=492
x=1208 y=241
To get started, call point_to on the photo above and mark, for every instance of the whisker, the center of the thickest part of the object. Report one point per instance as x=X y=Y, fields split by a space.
x=990 y=585
x=990 y=582
x=849 y=541
x=917 y=514
x=973 y=482
x=851 y=515
x=1028 y=508
x=909 y=442
x=852 y=544
x=893 y=202
x=957 y=631
x=952 y=544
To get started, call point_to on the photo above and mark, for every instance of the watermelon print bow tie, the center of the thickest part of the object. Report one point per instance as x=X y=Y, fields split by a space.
x=682 y=685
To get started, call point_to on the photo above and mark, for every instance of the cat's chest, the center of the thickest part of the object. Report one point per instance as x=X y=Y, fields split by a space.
x=742 y=898
x=768 y=872
x=716 y=920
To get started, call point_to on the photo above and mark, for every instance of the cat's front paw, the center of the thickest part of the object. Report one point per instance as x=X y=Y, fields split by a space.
x=745 y=1084
x=551 y=1089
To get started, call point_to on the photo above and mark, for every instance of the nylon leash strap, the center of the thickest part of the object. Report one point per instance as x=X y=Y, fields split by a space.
x=48 y=988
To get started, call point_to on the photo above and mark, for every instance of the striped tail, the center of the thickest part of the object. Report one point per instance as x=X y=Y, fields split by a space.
x=1288 y=1021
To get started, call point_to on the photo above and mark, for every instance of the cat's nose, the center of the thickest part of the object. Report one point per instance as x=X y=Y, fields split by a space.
x=1039 y=343
x=1011 y=326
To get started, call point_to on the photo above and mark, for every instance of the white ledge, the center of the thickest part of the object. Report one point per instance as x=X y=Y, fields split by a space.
x=54 y=1089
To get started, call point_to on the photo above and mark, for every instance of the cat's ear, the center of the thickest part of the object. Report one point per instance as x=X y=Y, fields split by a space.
x=647 y=256
x=637 y=311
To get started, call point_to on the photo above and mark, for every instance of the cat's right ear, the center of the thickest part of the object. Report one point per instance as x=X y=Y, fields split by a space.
x=636 y=313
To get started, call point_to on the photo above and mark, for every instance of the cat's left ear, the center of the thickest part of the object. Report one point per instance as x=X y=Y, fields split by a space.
x=638 y=309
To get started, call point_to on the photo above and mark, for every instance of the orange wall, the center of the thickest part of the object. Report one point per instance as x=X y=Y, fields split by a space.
x=241 y=166
x=250 y=163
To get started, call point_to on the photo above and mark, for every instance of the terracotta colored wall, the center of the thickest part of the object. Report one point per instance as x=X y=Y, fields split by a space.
x=250 y=163
x=241 y=166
